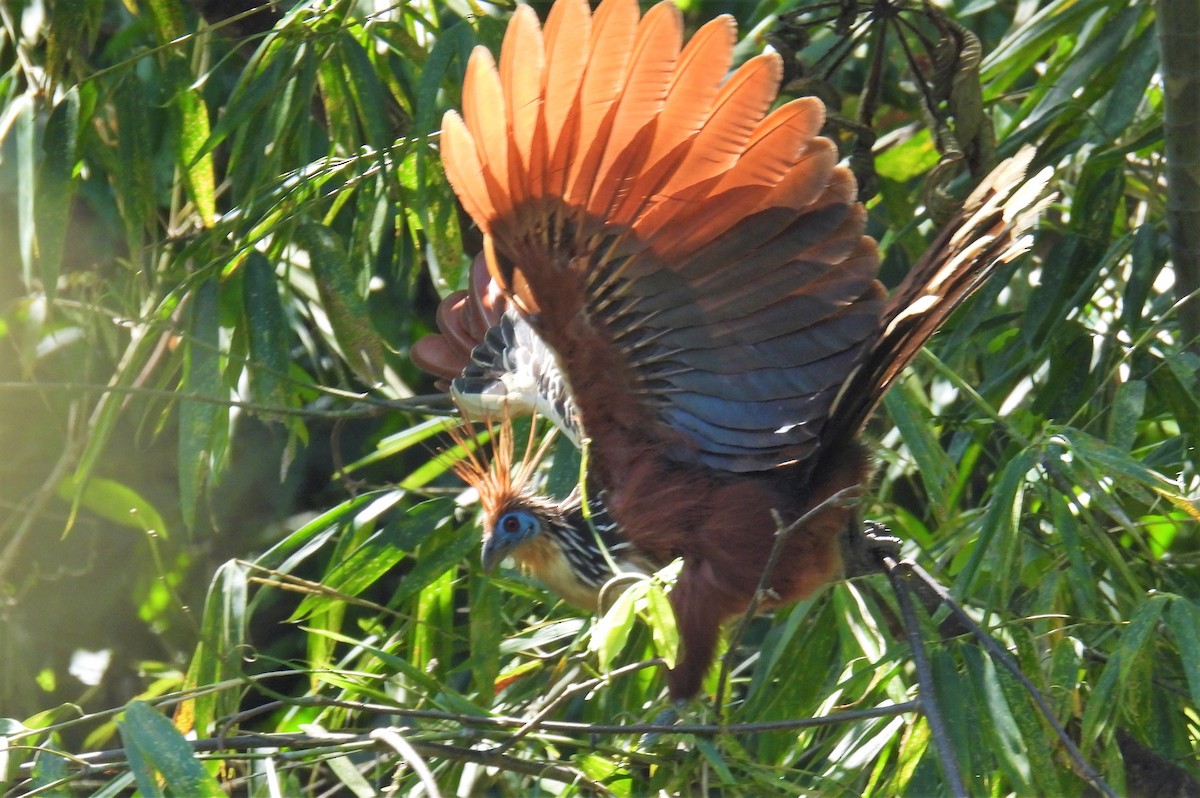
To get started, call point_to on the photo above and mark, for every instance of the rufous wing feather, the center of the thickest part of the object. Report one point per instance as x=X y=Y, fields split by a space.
x=681 y=239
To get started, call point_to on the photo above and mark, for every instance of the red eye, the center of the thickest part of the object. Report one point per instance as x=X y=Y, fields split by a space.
x=510 y=524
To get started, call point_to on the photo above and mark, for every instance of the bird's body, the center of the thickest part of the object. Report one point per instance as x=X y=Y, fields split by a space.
x=698 y=268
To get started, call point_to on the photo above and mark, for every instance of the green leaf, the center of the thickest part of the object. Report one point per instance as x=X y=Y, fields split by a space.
x=112 y=500
x=153 y=745
x=999 y=524
x=135 y=177
x=365 y=91
x=437 y=556
x=1183 y=618
x=56 y=188
x=907 y=409
x=661 y=619
x=267 y=332
x=1006 y=741
x=198 y=413
x=1128 y=406
x=1107 y=700
x=222 y=644
x=195 y=163
x=379 y=553
x=611 y=629
x=343 y=302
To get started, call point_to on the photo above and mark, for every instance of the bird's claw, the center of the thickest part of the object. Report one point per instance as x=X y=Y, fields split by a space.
x=864 y=550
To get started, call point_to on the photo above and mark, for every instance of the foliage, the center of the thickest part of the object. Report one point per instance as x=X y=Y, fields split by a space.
x=224 y=234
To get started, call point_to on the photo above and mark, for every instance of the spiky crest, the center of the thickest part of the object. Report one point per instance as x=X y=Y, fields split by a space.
x=497 y=478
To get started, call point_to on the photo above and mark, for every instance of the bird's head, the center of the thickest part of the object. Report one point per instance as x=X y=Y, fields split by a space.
x=515 y=521
x=516 y=530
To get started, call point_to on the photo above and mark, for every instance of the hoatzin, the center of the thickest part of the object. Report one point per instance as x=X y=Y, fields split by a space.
x=696 y=265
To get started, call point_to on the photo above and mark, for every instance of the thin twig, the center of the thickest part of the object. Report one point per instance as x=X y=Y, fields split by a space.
x=571 y=727
x=538 y=720
x=997 y=652
x=928 y=696
x=103 y=760
x=405 y=749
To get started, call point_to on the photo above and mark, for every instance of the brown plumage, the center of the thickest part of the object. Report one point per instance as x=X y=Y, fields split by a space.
x=698 y=267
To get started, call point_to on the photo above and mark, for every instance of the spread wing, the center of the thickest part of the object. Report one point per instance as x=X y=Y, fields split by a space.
x=696 y=264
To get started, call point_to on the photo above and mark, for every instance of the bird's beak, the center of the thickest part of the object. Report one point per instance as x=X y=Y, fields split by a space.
x=494 y=552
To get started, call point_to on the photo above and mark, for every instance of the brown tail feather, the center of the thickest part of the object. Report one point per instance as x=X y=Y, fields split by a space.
x=988 y=232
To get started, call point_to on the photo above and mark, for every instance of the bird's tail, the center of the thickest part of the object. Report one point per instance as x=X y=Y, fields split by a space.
x=988 y=232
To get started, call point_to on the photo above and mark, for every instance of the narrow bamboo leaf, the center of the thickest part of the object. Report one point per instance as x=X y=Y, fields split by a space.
x=194 y=162
x=436 y=559
x=335 y=95
x=347 y=773
x=711 y=753
x=258 y=88
x=1008 y=743
x=49 y=767
x=1179 y=382
x=403 y=440
x=222 y=645
x=1082 y=582
x=1000 y=519
x=486 y=632
x=135 y=177
x=56 y=188
x=158 y=747
x=612 y=629
x=143 y=771
x=907 y=410
x=198 y=413
x=343 y=302
x=1139 y=63
x=73 y=25
x=266 y=331
x=435 y=203
x=367 y=93
x=118 y=503
x=430 y=687
x=1128 y=406
x=1107 y=700
x=661 y=618
x=1106 y=459
x=957 y=703
x=198 y=170
x=1100 y=51
x=380 y=553
x=1183 y=618
x=1145 y=264
x=24 y=112
x=285 y=555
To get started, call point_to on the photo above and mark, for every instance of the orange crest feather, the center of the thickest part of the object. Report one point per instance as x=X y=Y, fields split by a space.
x=498 y=479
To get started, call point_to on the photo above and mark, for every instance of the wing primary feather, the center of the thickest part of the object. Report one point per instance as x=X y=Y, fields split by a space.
x=522 y=59
x=652 y=63
x=614 y=28
x=460 y=159
x=567 y=37
x=484 y=114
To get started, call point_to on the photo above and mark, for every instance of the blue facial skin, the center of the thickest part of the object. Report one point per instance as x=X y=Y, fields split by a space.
x=511 y=530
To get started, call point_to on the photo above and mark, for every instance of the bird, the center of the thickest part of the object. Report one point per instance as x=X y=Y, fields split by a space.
x=693 y=267
x=574 y=552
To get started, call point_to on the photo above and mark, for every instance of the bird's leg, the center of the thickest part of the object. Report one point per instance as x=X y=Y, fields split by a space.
x=865 y=547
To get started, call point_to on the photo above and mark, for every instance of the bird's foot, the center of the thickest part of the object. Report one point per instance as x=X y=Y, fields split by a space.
x=864 y=550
